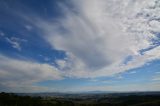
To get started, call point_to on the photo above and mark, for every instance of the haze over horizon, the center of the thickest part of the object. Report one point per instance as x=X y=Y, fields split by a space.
x=79 y=45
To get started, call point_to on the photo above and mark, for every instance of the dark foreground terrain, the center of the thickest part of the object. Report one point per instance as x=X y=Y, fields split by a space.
x=110 y=99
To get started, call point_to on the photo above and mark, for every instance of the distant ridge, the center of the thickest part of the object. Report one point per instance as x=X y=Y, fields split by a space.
x=88 y=93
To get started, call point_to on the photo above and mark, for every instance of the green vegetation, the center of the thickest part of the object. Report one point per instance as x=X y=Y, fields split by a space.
x=14 y=100
x=9 y=99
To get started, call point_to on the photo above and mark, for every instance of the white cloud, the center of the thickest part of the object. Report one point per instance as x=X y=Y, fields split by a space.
x=28 y=27
x=19 y=74
x=15 y=42
x=61 y=64
x=98 y=35
x=46 y=59
x=2 y=34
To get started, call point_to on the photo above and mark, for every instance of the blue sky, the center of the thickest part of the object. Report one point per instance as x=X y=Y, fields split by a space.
x=78 y=46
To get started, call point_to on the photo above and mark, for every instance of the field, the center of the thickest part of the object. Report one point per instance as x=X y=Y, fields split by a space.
x=98 y=99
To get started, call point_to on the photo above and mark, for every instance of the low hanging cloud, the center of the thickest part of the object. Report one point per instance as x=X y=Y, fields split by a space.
x=21 y=75
x=99 y=35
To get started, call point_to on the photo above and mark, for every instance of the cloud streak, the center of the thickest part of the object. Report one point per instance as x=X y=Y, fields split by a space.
x=15 y=42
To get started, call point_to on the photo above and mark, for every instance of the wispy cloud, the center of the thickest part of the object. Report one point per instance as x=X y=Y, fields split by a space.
x=15 y=42
x=28 y=27
x=2 y=34
x=98 y=36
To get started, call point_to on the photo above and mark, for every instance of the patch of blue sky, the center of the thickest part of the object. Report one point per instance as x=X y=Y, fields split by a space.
x=16 y=27
x=155 y=43
x=34 y=43
x=128 y=58
x=142 y=74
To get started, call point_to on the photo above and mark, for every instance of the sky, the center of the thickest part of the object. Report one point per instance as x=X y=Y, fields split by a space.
x=79 y=45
